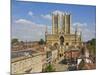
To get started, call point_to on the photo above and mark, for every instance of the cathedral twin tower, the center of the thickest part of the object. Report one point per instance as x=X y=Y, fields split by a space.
x=61 y=23
x=61 y=31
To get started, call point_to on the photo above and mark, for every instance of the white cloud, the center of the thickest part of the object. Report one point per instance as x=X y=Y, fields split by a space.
x=28 y=22
x=23 y=22
x=80 y=24
x=28 y=30
x=87 y=32
x=60 y=12
x=47 y=16
x=30 y=13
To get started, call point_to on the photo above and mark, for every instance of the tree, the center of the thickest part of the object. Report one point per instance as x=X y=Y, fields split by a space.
x=22 y=42
x=49 y=68
x=91 y=45
x=41 y=42
x=15 y=40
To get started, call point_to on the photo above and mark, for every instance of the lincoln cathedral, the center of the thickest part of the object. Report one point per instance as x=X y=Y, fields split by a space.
x=61 y=31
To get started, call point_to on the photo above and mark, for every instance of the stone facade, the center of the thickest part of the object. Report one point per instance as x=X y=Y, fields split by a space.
x=54 y=55
x=69 y=39
x=61 y=31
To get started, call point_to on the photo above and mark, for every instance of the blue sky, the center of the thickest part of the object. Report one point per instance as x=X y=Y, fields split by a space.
x=29 y=19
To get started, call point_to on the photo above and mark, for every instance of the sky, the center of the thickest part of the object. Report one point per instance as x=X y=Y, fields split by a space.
x=29 y=19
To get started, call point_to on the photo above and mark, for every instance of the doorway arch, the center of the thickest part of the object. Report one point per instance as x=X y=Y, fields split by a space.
x=61 y=40
x=67 y=43
x=55 y=45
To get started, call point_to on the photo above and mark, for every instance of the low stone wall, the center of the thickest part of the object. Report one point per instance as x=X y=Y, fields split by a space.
x=29 y=64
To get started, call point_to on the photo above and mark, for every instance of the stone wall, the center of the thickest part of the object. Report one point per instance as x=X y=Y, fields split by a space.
x=27 y=64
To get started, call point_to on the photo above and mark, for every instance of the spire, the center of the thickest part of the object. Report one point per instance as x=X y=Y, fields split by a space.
x=46 y=30
x=76 y=34
x=46 y=33
x=76 y=29
x=80 y=35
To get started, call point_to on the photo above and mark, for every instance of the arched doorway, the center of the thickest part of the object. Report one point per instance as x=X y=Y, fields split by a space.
x=55 y=45
x=61 y=40
x=67 y=43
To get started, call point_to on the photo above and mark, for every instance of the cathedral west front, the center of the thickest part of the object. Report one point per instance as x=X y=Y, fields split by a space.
x=61 y=31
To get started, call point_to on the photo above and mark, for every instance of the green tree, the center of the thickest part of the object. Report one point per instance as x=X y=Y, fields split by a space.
x=15 y=40
x=49 y=68
x=91 y=45
x=41 y=42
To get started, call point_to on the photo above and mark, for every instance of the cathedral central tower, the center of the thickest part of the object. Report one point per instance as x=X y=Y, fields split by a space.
x=61 y=23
